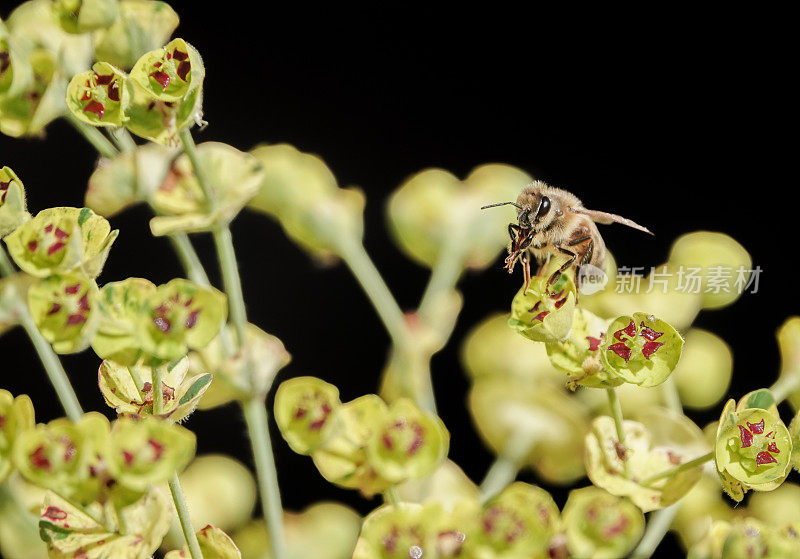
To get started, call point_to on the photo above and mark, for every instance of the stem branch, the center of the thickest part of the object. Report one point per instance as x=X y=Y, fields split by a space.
x=678 y=469
x=103 y=146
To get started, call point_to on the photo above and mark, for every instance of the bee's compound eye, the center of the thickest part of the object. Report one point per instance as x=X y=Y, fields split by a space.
x=544 y=207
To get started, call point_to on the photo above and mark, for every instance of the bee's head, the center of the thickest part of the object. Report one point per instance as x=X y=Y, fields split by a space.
x=534 y=209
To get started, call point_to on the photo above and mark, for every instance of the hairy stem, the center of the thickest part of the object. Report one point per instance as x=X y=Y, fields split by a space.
x=50 y=361
x=255 y=415
x=657 y=527
x=678 y=469
x=103 y=146
x=174 y=483
x=616 y=412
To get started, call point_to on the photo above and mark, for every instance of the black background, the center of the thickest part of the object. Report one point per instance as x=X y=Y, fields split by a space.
x=677 y=123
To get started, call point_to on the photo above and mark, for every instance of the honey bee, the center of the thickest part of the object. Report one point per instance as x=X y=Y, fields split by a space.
x=553 y=221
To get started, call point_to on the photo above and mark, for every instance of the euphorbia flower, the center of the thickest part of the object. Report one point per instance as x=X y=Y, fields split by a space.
x=99 y=96
x=13 y=212
x=544 y=313
x=305 y=411
x=397 y=532
x=641 y=349
x=171 y=72
x=754 y=447
x=599 y=524
x=62 y=307
x=61 y=240
x=16 y=417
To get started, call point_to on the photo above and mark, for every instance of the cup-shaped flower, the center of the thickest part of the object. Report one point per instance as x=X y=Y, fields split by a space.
x=519 y=522
x=61 y=240
x=342 y=460
x=600 y=525
x=407 y=443
x=13 y=212
x=300 y=191
x=6 y=61
x=535 y=425
x=641 y=349
x=133 y=531
x=62 y=306
x=397 y=532
x=626 y=470
x=544 y=313
x=178 y=316
x=753 y=448
x=148 y=451
x=129 y=390
x=83 y=16
x=234 y=176
x=141 y=27
x=746 y=537
x=305 y=411
x=99 y=96
x=161 y=121
x=214 y=544
x=434 y=211
x=251 y=369
x=119 y=305
x=170 y=73
x=16 y=417
x=579 y=355
x=65 y=456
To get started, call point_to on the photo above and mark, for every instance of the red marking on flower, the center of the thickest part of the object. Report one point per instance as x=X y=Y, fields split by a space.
x=33 y=245
x=103 y=80
x=630 y=330
x=649 y=348
x=560 y=303
x=54 y=309
x=418 y=439
x=616 y=528
x=72 y=289
x=189 y=302
x=54 y=513
x=191 y=320
x=390 y=540
x=61 y=234
x=96 y=108
x=764 y=457
x=69 y=449
x=183 y=69
x=673 y=457
x=83 y=302
x=48 y=228
x=178 y=55
x=113 y=91
x=756 y=428
x=55 y=247
x=316 y=425
x=535 y=307
x=128 y=457
x=746 y=437
x=621 y=349
x=167 y=392
x=158 y=449
x=594 y=343
x=773 y=448
x=147 y=386
x=649 y=333
x=299 y=413
x=75 y=318
x=387 y=441
x=540 y=316
x=620 y=449
x=39 y=459
x=86 y=96
x=162 y=324
x=557 y=295
x=162 y=78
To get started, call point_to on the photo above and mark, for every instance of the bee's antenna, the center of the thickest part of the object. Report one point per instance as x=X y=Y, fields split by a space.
x=502 y=204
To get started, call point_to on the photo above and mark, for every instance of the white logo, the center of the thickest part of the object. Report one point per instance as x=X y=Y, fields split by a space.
x=591 y=279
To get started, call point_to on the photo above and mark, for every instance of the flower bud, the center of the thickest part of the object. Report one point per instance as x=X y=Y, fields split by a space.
x=13 y=212
x=62 y=306
x=170 y=73
x=16 y=417
x=600 y=525
x=641 y=349
x=544 y=313
x=61 y=240
x=142 y=26
x=99 y=96
x=704 y=371
x=305 y=411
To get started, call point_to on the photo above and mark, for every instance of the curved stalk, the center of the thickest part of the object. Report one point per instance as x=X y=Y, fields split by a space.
x=103 y=146
x=657 y=527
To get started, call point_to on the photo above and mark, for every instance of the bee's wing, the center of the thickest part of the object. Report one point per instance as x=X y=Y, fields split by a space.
x=606 y=218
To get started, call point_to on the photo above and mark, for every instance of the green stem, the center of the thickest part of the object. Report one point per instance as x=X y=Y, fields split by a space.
x=231 y=280
x=445 y=273
x=364 y=270
x=103 y=146
x=255 y=415
x=50 y=361
x=190 y=149
x=672 y=397
x=507 y=465
x=189 y=259
x=122 y=139
x=786 y=384
x=657 y=527
x=174 y=483
x=616 y=412
x=671 y=472
x=390 y=496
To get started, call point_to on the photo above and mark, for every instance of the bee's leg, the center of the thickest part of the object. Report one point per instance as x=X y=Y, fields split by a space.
x=512 y=228
x=585 y=257
x=526 y=270
x=555 y=275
